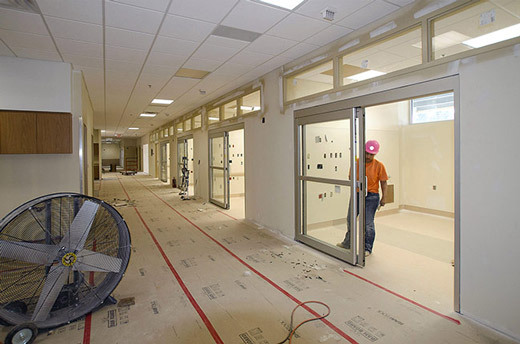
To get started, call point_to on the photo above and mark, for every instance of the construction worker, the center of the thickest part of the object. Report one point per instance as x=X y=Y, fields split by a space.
x=376 y=174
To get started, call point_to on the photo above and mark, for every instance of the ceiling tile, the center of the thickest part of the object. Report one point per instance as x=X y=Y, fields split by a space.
x=214 y=52
x=174 y=46
x=161 y=70
x=132 y=18
x=157 y=5
x=328 y=35
x=86 y=11
x=122 y=66
x=27 y=40
x=250 y=58
x=36 y=54
x=88 y=49
x=368 y=14
x=231 y=68
x=254 y=16
x=70 y=29
x=125 y=54
x=202 y=64
x=400 y=2
x=82 y=61
x=342 y=8
x=211 y=11
x=226 y=42
x=4 y=50
x=270 y=45
x=299 y=50
x=128 y=39
x=162 y=59
x=176 y=87
x=274 y=63
x=297 y=27
x=185 y=28
x=22 y=21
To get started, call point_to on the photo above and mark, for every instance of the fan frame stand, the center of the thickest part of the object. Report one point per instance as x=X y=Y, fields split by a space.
x=110 y=300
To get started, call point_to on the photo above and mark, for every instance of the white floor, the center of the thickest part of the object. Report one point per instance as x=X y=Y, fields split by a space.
x=412 y=256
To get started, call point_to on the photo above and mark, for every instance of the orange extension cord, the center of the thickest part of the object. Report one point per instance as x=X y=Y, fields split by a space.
x=292 y=331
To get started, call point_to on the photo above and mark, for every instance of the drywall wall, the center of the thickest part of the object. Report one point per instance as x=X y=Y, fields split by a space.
x=35 y=85
x=490 y=229
x=110 y=151
x=87 y=118
x=27 y=176
x=236 y=163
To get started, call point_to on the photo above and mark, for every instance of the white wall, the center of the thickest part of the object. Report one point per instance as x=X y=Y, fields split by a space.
x=35 y=85
x=110 y=151
x=236 y=165
x=200 y=164
x=490 y=226
x=38 y=86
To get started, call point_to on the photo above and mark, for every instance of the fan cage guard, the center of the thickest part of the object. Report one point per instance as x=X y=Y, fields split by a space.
x=21 y=283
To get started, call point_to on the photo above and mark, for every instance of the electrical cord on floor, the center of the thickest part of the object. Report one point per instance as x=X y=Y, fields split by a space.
x=292 y=331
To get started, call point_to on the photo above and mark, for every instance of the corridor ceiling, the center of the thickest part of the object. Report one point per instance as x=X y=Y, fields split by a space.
x=131 y=50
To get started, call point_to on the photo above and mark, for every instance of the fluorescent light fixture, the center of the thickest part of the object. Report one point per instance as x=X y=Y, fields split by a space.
x=103 y=131
x=162 y=101
x=288 y=4
x=148 y=115
x=494 y=37
x=365 y=75
x=213 y=118
x=179 y=129
x=249 y=108
x=133 y=128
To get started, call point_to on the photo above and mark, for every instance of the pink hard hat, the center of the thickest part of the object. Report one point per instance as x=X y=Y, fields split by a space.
x=372 y=147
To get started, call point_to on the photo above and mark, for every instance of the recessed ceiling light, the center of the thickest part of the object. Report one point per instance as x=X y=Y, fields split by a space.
x=148 y=115
x=288 y=4
x=366 y=75
x=133 y=128
x=494 y=37
x=162 y=101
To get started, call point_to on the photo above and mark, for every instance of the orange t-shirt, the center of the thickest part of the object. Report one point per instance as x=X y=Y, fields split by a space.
x=375 y=172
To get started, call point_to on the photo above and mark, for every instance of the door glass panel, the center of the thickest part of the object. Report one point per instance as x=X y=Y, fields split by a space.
x=217 y=152
x=325 y=211
x=217 y=185
x=326 y=150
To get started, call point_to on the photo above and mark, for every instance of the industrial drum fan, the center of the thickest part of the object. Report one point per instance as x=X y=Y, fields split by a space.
x=61 y=256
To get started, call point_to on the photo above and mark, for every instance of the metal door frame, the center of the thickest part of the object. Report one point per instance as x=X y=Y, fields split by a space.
x=441 y=85
x=178 y=164
x=356 y=118
x=217 y=132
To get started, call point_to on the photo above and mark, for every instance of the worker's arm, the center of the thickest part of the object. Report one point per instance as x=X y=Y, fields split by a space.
x=383 y=190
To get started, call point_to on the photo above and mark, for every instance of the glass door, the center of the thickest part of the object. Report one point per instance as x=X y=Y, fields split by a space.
x=327 y=185
x=185 y=159
x=219 y=169
x=164 y=164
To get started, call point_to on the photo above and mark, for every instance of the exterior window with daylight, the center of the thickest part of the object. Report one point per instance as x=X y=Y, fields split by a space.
x=394 y=53
x=213 y=115
x=432 y=109
x=251 y=103
x=197 y=121
x=171 y=130
x=230 y=110
x=187 y=125
x=178 y=128
x=310 y=81
x=166 y=132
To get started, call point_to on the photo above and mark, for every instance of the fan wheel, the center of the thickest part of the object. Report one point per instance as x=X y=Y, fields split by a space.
x=61 y=256
x=22 y=334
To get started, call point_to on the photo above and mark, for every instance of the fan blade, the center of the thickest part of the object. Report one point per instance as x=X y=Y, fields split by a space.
x=51 y=289
x=94 y=261
x=28 y=252
x=75 y=239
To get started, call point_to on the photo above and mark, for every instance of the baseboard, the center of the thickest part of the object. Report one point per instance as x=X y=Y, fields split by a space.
x=427 y=210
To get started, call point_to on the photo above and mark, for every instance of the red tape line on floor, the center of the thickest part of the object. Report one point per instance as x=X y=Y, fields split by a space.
x=86 y=331
x=227 y=215
x=265 y=278
x=404 y=298
x=194 y=303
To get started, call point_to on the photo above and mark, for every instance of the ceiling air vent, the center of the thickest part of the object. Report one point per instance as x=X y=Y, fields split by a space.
x=21 y=5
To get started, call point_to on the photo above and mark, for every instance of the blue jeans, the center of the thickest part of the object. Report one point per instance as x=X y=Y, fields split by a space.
x=371 y=204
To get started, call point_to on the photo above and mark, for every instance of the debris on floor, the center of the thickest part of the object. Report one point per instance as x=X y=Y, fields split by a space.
x=118 y=202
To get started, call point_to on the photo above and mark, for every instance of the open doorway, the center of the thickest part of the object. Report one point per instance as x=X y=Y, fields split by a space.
x=185 y=160
x=227 y=170
x=415 y=252
x=164 y=175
